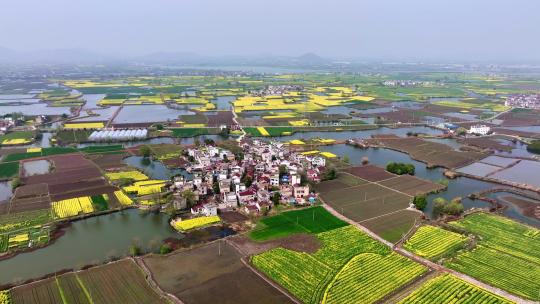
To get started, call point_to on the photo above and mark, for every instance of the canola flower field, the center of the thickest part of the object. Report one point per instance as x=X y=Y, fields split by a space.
x=185 y=225
x=447 y=288
x=72 y=207
x=134 y=175
x=432 y=242
x=346 y=269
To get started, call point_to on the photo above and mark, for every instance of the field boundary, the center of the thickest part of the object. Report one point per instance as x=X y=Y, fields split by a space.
x=270 y=281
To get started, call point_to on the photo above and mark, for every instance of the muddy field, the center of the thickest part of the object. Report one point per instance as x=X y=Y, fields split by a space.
x=393 y=226
x=485 y=143
x=119 y=282
x=221 y=118
x=212 y=273
x=528 y=207
x=412 y=185
x=431 y=153
x=108 y=161
x=344 y=180
x=370 y=173
x=366 y=201
x=521 y=118
x=301 y=242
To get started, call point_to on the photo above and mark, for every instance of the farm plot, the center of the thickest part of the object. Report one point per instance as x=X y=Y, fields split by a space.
x=212 y=273
x=450 y=289
x=40 y=292
x=368 y=277
x=8 y=170
x=71 y=289
x=433 y=242
x=323 y=275
x=412 y=185
x=507 y=256
x=370 y=173
x=431 y=153
x=342 y=181
x=392 y=227
x=119 y=282
x=310 y=220
x=366 y=201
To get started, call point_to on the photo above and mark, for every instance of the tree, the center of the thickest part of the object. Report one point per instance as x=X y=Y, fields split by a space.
x=275 y=198
x=159 y=127
x=420 y=202
x=196 y=142
x=329 y=174
x=400 y=168
x=134 y=250
x=215 y=187
x=145 y=151
x=365 y=160
x=346 y=159
x=209 y=141
x=190 y=197
x=165 y=248
x=283 y=170
x=461 y=131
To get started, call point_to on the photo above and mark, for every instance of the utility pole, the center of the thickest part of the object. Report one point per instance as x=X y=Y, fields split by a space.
x=219 y=247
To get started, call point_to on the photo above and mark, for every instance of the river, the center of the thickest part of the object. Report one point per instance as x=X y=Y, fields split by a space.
x=88 y=241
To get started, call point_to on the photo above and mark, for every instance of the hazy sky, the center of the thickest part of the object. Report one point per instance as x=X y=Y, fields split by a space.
x=397 y=29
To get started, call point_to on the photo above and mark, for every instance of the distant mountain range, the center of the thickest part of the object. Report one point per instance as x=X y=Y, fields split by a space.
x=80 y=56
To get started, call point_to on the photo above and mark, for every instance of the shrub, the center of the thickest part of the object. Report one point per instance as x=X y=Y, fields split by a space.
x=400 y=168
x=420 y=202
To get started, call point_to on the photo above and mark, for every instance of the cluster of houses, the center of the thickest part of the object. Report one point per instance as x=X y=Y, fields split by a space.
x=6 y=124
x=267 y=173
x=409 y=83
x=527 y=101
x=277 y=90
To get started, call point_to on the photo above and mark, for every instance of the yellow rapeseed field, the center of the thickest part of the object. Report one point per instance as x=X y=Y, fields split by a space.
x=134 y=175
x=184 y=225
x=123 y=198
x=72 y=207
x=81 y=125
x=263 y=131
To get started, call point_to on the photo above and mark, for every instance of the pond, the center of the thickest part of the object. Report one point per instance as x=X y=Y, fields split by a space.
x=103 y=114
x=90 y=241
x=223 y=102
x=92 y=100
x=5 y=191
x=459 y=187
x=155 y=169
x=339 y=110
x=514 y=211
x=36 y=167
x=35 y=109
x=148 y=113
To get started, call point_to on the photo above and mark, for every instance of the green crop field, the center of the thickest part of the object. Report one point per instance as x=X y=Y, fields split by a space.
x=347 y=259
x=507 y=255
x=17 y=135
x=190 y=132
x=44 y=152
x=8 y=170
x=310 y=220
x=433 y=242
x=102 y=149
x=450 y=289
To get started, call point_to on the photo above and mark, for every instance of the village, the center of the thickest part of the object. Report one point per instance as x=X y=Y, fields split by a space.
x=265 y=174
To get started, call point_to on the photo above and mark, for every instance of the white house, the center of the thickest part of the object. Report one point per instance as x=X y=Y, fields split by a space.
x=479 y=129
